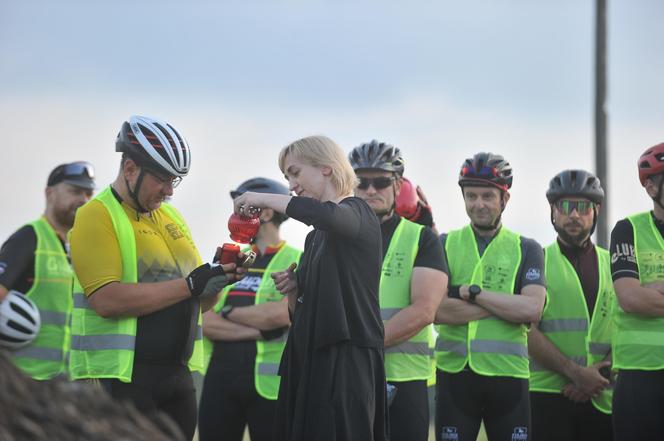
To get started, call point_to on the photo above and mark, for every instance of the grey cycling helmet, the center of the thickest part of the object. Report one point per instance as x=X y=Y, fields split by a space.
x=260 y=185
x=376 y=155
x=575 y=183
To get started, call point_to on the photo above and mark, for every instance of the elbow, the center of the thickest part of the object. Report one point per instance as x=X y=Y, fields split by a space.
x=627 y=304
x=105 y=311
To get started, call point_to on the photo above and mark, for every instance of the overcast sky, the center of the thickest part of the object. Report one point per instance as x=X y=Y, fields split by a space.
x=241 y=79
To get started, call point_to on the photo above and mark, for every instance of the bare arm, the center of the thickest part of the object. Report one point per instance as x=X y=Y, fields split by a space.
x=118 y=299
x=452 y=311
x=216 y=327
x=524 y=308
x=587 y=380
x=426 y=292
x=636 y=299
x=266 y=316
x=286 y=283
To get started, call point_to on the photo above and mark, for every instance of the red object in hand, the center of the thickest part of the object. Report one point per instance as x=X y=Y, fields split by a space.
x=406 y=203
x=243 y=228
x=229 y=252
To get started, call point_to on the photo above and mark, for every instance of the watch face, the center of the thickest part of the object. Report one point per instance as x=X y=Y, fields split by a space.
x=474 y=289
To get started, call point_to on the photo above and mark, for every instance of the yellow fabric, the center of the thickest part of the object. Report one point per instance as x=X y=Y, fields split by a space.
x=163 y=252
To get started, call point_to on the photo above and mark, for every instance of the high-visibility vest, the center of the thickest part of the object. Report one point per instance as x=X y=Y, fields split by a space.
x=490 y=346
x=638 y=342
x=104 y=347
x=51 y=290
x=411 y=359
x=268 y=353
x=567 y=324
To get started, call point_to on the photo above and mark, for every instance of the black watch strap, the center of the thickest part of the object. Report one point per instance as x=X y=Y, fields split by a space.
x=473 y=292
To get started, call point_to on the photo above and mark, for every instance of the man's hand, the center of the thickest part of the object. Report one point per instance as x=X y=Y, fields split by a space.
x=573 y=393
x=588 y=379
x=210 y=279
x=285 y=281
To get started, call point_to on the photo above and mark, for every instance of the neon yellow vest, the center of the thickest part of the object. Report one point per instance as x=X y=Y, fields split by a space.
x=51 y=290
x=268 y=353
x=409 y=360
x=639 y=340
x=491 y=346
x=104 y=347
x=566 y=323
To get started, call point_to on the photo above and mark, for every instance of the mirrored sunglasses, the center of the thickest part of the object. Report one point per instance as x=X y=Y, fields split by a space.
x=582 y=207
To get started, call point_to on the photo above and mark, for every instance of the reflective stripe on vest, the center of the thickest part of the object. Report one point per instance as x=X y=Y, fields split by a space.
x=490 y=346
x=51 y=292
x=268 y=353
x=565 y=321
x=409 y=360
x=104 y=347
x=639 y=340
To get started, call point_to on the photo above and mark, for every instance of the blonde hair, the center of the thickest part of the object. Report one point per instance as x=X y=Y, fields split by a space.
x=321 y=151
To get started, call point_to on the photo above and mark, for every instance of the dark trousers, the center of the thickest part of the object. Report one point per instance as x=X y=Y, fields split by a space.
x=557 y=418
x=638 y=406
x=409 y=412
x=229 y=403
x=464 y=399
x=169 y=389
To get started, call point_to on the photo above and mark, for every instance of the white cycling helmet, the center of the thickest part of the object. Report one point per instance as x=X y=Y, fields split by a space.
x=19 y=320
x=154 y=144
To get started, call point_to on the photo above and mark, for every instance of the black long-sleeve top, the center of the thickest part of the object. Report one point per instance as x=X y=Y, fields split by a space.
x=339 y=274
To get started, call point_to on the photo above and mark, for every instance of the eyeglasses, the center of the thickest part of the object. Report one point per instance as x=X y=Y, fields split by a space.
x=582 y=207
x=173 y=182
x=72 y=170
x=378 y=183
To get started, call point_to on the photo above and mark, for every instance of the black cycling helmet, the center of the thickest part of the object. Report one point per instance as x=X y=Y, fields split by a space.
x=376 y=155
x=264 y=185
x=260 y=185
x=579 y=183
x=486 y=170
x=154 y=144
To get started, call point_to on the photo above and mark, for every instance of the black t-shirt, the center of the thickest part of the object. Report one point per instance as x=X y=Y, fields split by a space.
x=17 y=259
x=531 y=270
x=623 y=255
x=584 y=261
x=240 y=356
x=430 y=252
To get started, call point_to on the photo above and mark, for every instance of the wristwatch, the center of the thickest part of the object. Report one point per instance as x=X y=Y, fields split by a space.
x=226 y=310
x=473 y=291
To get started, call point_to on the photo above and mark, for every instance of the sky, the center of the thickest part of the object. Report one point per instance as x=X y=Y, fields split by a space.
x=441 y=80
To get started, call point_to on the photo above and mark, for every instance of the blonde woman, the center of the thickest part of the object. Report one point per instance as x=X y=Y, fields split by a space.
x=333 y=379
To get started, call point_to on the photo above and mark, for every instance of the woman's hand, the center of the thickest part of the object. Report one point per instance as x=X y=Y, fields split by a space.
x=249 y=203
x=285 y=281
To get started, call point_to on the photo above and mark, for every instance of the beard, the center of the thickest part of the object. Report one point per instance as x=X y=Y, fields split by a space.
x=577 y=239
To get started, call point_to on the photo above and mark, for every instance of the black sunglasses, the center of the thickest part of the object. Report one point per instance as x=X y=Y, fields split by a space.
x=72 y=170
x=378 y=183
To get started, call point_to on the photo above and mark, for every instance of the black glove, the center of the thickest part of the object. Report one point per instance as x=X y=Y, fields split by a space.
x=206 y=280
x=453 y=292
x=423 y=215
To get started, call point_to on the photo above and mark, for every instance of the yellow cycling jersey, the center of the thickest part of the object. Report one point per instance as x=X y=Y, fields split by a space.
x=163 y=251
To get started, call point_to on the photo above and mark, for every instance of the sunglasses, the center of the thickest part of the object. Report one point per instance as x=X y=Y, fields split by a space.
x=72 y=170
x=582 y=207
x=378 y=183
x=173 y=182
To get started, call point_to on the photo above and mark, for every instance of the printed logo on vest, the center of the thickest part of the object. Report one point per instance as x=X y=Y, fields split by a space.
x=449 y=433
x=520 y=434
x=174 y=231
x=533 y=274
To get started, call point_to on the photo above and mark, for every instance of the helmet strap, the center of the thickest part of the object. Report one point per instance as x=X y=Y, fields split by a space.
x=134 y=193
x=658 y=196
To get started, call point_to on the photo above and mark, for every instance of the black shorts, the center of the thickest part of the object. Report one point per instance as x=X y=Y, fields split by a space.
x=409 y=412
x=465 y=399
x=638 y=406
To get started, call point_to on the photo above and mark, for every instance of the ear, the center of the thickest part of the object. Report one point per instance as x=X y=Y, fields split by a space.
x=651 y=188
x=48 y=191
x=326 y=170
x=266 y=215
x=506 y=197
x=397 y=186
x=598 y=208
x=129 y=168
